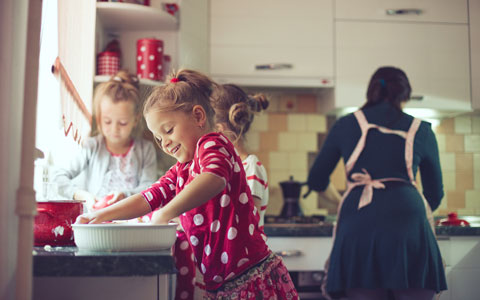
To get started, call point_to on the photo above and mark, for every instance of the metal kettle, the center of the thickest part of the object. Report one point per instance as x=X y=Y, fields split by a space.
x=291 y=196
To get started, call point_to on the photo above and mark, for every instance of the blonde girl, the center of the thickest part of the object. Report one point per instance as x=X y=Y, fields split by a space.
x=116 y=163
x=207 y=189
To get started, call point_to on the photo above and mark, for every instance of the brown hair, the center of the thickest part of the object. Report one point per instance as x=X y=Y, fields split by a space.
x=236 y=109
x=122 y=86
x=388 y=84
x=182 y=91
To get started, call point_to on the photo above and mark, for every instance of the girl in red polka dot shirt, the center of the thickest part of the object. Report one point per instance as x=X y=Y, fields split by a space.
x=207 y=189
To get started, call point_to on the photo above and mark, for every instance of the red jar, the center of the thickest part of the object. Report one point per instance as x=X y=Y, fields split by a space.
x=108 y=63
x=150 y=59
x=53 y=222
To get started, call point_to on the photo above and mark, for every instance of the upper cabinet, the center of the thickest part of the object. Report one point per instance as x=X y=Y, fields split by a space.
x=429 y=40
x=272 y=42
x=474 y=17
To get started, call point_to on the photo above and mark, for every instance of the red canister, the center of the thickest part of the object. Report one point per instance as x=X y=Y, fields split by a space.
x=108 y=63
x=53 y=223
x=150 y=59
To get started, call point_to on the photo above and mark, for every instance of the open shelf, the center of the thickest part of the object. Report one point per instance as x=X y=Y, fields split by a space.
x=146 y=82
x=127 y=16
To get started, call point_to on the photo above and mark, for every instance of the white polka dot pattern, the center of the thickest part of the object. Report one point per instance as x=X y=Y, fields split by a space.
x=217 y=278
x=242 y=261
x=198 y=219
x=224 y=152
x=224 y=258
x=149 y=196
x=213 y=166
x=180 y=181
x=230 y=276
x=224 y=200
x=236 y=167
x=224 y=139
x=251 y=228
x=208 y=250
x=215 y=226
x=184 y=245
x=172 y=187
x=232 y=233
x=183 y=271
x=243 y=198
x=202 y=267
x=194 y=240
x=209 y=144
x=184 y=295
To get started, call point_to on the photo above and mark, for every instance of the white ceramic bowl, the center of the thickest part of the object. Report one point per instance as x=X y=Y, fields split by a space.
x=124 y=236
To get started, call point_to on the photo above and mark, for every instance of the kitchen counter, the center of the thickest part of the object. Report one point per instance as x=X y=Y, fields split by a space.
x=325 y=230
x=70 y=261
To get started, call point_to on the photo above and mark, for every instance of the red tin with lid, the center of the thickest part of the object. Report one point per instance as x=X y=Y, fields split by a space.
x=108 y=63
x=452 y=220
x=150 y=59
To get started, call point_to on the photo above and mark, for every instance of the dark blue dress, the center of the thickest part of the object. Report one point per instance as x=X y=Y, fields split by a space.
x=389 y=243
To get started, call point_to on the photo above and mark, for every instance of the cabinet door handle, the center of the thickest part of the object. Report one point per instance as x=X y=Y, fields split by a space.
x=289 y=253
x=416 y=97
x=273 y=66
x=407 y=11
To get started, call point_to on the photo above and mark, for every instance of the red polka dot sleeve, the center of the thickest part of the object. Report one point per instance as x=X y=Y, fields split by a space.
x=214 y=157
x=162 y=191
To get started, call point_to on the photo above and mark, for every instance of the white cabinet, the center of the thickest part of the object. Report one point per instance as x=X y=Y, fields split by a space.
x=302 y=253
x=272 y=42
x=187 y=44
x=462 y=258
x=429 y=41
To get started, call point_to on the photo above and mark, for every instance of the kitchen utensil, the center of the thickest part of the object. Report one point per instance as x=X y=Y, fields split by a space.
x=291 y=195
x=150 y=59
x=452 y=220
x=124 y=236
x=53 y=222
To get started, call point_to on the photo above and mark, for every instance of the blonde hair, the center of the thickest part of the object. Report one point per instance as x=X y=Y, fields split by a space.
x=122 y=86
x=234 y=108
x=183 y=90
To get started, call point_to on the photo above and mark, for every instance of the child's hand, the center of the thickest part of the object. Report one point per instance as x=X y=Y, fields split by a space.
x=88 y=218
x=115 y=197
x=159 y=218
x=88 y=197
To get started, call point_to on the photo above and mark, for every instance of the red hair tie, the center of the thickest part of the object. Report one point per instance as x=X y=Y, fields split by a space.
x=174 y=79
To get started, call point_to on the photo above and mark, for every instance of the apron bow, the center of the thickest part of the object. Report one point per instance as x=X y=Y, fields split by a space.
x=369 y=184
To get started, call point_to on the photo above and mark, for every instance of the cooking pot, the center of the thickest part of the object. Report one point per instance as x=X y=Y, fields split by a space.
x=53 y=222
x=452 y=220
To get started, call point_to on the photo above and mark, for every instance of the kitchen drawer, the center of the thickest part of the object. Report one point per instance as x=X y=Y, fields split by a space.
x=302 y=254
x=431 y=10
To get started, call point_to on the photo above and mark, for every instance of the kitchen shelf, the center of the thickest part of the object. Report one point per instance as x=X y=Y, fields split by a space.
x=146 y=82
x=126 y=16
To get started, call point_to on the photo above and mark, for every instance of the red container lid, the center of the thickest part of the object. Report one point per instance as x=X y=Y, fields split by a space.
x=149 y=41
x=452 y=220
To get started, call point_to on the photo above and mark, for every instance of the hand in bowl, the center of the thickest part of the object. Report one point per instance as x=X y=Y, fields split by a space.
x=115 y=197
x=159 y=218
x=88 y=218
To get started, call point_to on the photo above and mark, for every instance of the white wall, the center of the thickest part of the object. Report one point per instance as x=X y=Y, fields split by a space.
x=13 y=28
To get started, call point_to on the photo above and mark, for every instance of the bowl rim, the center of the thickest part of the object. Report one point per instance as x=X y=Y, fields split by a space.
x=124 y=225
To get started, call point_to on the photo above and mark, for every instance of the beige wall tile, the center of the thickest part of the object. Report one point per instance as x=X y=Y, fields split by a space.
x=472 y=143
x=288 y=141
x=447 y=161
x=275 y=201
x=463 y=124
x=475 y=124
x=308 y=142
x=296 y=122
x=273 y=103
x=464 y=180
x=288 y=103
x=316 y=123
x=269 y=141
x=260 y=123
x=338 y=177
x=264 y=158
x=476 y=162
x=456 y=199
x=253 y=141
x=472 y=199
x=449 y=182
x=278 y=161
x=443 y=204
x=277 y=122
x=476 y=180
x=446 y=126
x=441 y=141
x=464 y=162
x=465 y=212
x=298 y=161
x=454 y=143
x=298 y=175
x=306 y=103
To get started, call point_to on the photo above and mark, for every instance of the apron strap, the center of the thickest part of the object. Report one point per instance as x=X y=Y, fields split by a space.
x=409 y=147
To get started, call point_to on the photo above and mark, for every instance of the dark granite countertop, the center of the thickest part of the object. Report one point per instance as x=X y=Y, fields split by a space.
x=325 y=230
x=70 y=261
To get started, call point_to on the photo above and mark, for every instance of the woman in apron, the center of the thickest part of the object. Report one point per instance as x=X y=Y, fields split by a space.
x=384 y=240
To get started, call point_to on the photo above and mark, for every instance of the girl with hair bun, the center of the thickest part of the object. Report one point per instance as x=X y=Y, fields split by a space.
x=207 y=190
x=117 y=163
x=234 y=113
